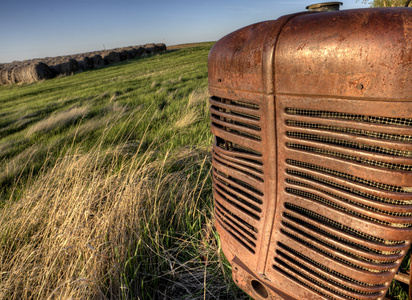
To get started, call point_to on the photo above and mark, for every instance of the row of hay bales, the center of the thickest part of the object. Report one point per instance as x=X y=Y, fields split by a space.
x=38 y=69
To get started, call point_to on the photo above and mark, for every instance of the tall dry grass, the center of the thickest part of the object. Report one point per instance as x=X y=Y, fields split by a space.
x=58 y=120
x=99 y=226
x=196 y=106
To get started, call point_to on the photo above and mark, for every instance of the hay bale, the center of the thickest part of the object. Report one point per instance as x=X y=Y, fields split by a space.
x=132 y=52
x=12 y=76
x=136 y=51
x=140 y=51
x=64 y=66
x=5 y=75
x=123 y=55
x=98 y=61
x=161 y=47
x=31 y=72
x=111 y=57
x=150 y=48
x=85 y=63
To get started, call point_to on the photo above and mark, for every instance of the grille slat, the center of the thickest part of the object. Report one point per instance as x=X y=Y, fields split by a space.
x=348 y=144
x=245 y=106
x=237 y=117
x=351 y=131
x=406 y=122
x=232 y=149
x=318 y=283
x=399 y=164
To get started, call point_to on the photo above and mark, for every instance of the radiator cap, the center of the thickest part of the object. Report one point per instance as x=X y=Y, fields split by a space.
x=326 y=6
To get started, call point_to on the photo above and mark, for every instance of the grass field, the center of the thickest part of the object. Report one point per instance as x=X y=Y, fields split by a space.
x=105 y=185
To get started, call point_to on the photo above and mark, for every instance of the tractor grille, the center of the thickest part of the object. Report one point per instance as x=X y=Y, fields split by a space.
x=238 y=171
x=347 y=210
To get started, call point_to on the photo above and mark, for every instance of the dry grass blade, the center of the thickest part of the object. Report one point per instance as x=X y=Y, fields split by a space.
x=198 y=97
x=190 y=117
x=61 y=119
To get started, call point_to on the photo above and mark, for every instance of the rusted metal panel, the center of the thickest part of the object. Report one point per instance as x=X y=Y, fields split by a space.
x=312 y=160
x=363 y=53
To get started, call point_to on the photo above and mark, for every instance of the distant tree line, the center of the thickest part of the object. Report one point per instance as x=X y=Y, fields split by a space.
x=388 y=3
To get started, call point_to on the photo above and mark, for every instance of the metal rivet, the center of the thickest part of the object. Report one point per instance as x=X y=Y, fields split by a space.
x=359 y=86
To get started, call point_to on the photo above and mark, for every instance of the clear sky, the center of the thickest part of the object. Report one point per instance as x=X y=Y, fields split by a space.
x=40 y=28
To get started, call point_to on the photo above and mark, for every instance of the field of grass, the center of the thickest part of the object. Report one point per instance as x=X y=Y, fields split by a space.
x=40 y=121
x=105 y=189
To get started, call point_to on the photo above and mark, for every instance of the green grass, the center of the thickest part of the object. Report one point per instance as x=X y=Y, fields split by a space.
x=40 y=121
x=105 y=185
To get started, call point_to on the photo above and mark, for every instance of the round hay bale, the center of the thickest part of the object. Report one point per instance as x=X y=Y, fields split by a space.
x=13 y=75
x=43 y=71
x=132 y=52
x=150 y=48
x=73 y=65
x=5 y=75
x=65 y=66
x=123 y=55
x=111 y=57
x=28 y=73
x=161 y=47
x=140 y=51
x=85 y=63
x=98 y=61
x=21 y=74
x=88 y=61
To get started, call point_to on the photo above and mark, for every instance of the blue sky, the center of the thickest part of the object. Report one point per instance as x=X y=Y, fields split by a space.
x=40 y=28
